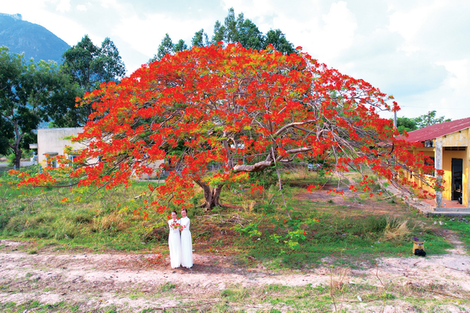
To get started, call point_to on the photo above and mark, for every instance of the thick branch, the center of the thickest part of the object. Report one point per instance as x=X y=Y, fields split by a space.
x=252 y=168
x=292 y=125
x=259 y=166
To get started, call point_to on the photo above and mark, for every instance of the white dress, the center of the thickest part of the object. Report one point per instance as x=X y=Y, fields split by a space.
x=174 y=242
x=186 y=243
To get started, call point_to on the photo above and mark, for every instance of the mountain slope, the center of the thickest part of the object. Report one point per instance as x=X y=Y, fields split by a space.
x=31 y=39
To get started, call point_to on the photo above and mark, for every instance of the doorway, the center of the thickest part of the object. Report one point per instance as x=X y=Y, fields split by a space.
x=457 y=167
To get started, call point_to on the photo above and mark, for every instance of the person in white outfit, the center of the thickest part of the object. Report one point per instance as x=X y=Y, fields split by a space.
x=186 y=241
x=174 y=240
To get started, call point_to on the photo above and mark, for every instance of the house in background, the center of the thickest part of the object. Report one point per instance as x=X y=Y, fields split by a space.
x=52 y=142
x=448 y=145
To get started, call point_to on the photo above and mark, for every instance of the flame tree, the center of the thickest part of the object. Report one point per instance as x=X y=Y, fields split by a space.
x=217 y=114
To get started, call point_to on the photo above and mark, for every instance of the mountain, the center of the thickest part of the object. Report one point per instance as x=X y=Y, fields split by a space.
x=34 y=40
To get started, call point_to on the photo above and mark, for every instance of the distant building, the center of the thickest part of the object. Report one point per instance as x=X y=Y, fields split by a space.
x=448 y=145
x=52 y=142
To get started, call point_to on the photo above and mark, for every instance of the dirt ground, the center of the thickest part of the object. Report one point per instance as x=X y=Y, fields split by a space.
x=351 y=207
x=136 y=282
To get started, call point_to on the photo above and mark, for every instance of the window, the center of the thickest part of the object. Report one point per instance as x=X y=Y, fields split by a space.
x=50 y=159
x=431 y=163
x=72 y=157
x=455 y=148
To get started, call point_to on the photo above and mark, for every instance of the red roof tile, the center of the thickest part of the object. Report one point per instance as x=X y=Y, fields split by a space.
x=438 y=130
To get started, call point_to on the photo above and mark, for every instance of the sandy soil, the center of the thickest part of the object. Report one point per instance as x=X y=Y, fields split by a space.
x=135 y=282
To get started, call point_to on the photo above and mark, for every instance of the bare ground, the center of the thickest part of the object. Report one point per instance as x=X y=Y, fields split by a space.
x=133 y=283
x=138 y=282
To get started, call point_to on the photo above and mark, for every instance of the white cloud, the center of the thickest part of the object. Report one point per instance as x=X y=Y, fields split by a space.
x=63 y=6
x=460 y=78
x=25 y=8
x=66 y=29
x=339 y=28
x=322 y=28
x=108 y=3
x=436 y=26
x=411 y=23
x=81 y=7
x=435 y=31
x=145 y=34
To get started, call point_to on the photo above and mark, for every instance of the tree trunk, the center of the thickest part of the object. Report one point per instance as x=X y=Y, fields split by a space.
x=16 y=146
x=18 y=153
x=211 y=195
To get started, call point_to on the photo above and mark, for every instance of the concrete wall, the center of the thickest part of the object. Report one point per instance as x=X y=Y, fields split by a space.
x=155 y=166
x=457 y=139
x=428 y=151
x=52 y=140
x=447 y=167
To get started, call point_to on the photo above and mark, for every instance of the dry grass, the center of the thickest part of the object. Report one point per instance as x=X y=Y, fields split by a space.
x=111 y=221
x=298 y=173
x=248 y=206
x=396 y=230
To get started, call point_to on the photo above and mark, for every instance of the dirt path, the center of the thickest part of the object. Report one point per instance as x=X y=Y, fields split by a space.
x=132 y=283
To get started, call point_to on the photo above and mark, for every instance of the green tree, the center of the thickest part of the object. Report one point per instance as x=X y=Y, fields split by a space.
x=279 y=41
x=248 y=35
x=227 y=32
x=6 y=132
x=430 y=119
x=165 y=47
x=219 y=33
x=234 y=29
x=88 y=66
x=61 y=108
x=405 y=123
x=168 y=47
x=200 y=39
x=27 y=92
x=180 y=46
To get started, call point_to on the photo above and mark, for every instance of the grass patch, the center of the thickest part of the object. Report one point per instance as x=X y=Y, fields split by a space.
x=306 y=238
x=167 y=287
x=83 y=218
x=460 y=225
x=256 y=227
x=35 y=306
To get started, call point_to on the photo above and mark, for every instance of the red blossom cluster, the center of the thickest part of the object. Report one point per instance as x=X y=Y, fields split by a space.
x=255 y=188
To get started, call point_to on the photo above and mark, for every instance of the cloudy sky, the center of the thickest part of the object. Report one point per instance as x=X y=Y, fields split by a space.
x=416 y=50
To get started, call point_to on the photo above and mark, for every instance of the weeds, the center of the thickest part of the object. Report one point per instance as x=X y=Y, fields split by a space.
x=167 y=287
x=460 y=225
x=396 y=230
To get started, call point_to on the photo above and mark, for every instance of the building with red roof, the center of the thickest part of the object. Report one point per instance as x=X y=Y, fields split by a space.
x=448 y=145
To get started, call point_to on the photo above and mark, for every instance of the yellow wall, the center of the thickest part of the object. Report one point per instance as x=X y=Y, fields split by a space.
x=429 y=152
x=447 y=167
x=457 y=139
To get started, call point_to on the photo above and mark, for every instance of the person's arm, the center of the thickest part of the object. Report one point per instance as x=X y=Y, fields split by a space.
x=185 y=224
